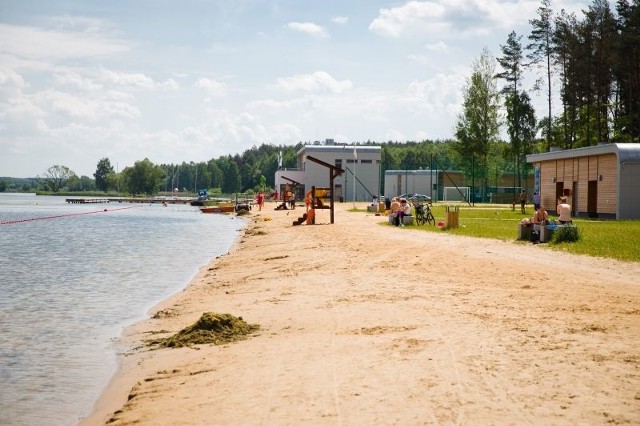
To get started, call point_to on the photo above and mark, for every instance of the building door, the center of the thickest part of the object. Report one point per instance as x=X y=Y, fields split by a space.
x=592 y=199
x=574 y=200
x=559 y=192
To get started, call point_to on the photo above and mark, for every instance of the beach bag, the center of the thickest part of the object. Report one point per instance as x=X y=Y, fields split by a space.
x=535 y=235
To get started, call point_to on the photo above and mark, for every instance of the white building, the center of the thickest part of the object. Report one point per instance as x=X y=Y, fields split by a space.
x=360 y=181
x=398 y=182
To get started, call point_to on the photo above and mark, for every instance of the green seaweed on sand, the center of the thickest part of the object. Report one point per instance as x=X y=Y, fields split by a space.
x=211 y=328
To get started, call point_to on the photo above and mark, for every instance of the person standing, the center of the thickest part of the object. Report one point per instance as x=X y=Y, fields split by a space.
x=536 y=201
x=564 y=211
x=260 y=200
x=523 y=201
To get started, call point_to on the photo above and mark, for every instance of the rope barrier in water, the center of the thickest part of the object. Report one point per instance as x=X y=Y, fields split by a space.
x=10 y=222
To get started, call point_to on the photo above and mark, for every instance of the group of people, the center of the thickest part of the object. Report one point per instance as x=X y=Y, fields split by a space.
x=541 y=216
x=400 y=208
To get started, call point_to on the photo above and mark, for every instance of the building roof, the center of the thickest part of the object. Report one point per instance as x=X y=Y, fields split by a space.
x=410 y=172
x=340 y=148
x=626 y=152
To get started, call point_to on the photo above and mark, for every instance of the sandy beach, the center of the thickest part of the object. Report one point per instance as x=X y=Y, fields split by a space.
x=369 y=324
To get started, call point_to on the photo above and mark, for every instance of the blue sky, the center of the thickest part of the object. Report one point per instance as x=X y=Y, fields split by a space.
x=192 y=80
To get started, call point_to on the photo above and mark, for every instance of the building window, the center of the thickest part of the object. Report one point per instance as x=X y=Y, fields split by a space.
x=366 y=161
x=338 y=163
x=351 y=161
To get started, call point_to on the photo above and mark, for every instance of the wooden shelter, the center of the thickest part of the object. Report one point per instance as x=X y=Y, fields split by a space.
x=600 y=181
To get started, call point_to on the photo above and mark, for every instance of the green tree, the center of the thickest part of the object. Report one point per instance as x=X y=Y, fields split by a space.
x=103 y=169
x=3 y=185
x=602 y=26
x=83 y=183
x=113 y=181
x=262 y=184
x=477 y=127
x=521 y=123
x=541 y=48
x=521 y=127
x=231 y=181
x=143 y=178
x=511 y=62
x=626 y=71
x=203 y=177
x=56 y=177
x=566 y=45
x=215 y=173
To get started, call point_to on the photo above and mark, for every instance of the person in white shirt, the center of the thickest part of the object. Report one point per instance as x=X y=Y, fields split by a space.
x=564 y=211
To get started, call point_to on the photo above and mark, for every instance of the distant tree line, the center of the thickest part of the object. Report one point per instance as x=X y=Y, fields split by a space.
x=594 y=59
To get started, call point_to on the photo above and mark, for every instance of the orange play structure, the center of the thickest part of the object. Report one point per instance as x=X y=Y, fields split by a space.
x=313 y=199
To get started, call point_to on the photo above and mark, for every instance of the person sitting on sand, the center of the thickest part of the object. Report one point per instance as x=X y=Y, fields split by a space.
x=564 y=211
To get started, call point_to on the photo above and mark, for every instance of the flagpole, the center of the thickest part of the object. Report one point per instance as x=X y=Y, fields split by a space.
x=355 y=164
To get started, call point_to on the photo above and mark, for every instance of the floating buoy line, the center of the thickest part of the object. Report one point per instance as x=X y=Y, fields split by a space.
x=31 y=219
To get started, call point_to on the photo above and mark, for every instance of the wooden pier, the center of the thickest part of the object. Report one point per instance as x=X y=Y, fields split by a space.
x=87 y=200
x=237 y=200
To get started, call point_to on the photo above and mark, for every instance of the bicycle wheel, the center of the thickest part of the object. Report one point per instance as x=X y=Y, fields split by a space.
x=420 y=219
x=430 y=218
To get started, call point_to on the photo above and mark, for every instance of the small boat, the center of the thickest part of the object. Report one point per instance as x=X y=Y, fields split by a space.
x=218 y=209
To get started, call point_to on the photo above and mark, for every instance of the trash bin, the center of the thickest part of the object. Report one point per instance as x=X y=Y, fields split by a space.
x=453 y=215
x=381 y=207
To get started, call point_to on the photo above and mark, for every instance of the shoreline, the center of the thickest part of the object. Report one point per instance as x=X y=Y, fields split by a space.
x=116 y=392
x=362 y=323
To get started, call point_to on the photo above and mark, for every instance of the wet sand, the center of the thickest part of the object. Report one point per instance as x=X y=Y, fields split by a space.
x=370 y=324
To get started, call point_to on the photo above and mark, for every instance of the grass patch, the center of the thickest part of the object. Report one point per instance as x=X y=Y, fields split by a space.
x=613 y=239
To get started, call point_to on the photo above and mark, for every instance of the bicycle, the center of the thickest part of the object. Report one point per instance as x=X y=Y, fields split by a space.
x=424 y=215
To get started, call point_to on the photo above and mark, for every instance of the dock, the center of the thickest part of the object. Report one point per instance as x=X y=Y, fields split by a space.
x=139 y=200
x=240 y=200
x=87 y=200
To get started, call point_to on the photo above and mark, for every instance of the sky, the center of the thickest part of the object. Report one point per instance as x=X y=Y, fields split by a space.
x=192 y=80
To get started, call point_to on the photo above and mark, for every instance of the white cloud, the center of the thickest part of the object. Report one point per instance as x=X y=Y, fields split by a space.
x=439 y=47
x=77 y=81
x=34 y=42
x=319 y=81
x=9 y=77
x=308 y=28
x=136 y=80
x=85 y=107
x=213 y=87
x=451 y=18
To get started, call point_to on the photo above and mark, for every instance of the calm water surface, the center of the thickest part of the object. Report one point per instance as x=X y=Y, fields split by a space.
x=71 y=278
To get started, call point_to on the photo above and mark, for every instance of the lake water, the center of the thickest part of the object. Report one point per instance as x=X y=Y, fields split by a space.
x=72 y=276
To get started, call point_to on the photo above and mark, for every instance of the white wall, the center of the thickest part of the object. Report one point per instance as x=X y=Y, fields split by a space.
x=366 y=168
x=397 y=182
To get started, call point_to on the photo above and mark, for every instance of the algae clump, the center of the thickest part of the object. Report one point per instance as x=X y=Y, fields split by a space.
x=211 y=328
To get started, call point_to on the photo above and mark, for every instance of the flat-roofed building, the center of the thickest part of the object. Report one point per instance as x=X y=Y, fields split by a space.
x=360 y=181
x=599 y=181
